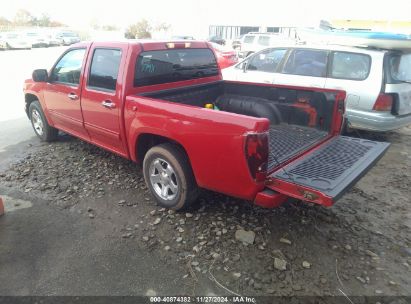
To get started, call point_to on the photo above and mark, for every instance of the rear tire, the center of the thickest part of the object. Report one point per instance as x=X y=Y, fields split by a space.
x=169 y=177
x=39 y=123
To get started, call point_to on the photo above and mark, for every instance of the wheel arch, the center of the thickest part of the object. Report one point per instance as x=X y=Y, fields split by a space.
x=145 y=141
x=28 y=99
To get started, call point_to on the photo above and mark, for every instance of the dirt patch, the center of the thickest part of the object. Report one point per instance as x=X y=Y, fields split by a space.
x=361 y=246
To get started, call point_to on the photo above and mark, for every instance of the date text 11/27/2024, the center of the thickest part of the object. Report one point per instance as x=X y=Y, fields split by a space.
x=206 y=299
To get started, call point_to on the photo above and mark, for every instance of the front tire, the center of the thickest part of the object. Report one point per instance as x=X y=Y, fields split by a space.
x=39 y=122
x=169 y=177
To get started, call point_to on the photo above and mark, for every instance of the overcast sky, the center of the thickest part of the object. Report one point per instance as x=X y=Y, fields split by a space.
x=187 y=16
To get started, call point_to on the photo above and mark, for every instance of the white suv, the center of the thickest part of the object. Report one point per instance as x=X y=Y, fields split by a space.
x=377 y=82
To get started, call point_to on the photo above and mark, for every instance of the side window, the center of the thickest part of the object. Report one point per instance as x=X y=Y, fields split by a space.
x=307 y=63
x=352 y=66
x=249 y=39
x=266 y=61
x=68 y=69
x=264 y=40
x=104 y=69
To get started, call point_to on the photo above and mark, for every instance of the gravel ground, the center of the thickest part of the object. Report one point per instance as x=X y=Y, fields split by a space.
x=361 y=246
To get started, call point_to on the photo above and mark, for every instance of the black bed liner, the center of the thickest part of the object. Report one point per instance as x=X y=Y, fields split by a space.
x=286 y=141
x=334 y=166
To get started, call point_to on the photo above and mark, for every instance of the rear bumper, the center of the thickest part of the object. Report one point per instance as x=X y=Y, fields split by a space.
x=269 y=198
x=374 y=121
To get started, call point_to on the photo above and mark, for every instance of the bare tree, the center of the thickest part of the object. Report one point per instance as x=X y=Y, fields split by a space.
x=44 y=20
x=162 y=27
x=23 y=17
x=4 y=21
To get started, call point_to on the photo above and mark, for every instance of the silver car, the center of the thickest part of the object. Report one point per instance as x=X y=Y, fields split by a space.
x=377 y=82
x=68 y=38
x=15 y=41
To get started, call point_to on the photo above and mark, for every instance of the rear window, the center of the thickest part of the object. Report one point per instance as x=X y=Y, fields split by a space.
x=399 y=67
x=264 y=40
x=249 y=39
x=352 y=66
x=156 y=67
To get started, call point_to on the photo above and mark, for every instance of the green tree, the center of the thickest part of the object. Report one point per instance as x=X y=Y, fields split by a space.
x=44 y=20
x=140 y=30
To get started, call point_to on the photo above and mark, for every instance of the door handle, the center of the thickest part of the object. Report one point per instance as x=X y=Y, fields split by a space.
x=108 y=104
x=72 y=96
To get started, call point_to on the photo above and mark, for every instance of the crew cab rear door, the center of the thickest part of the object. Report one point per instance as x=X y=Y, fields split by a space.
x=101 y=99
x=324 y=174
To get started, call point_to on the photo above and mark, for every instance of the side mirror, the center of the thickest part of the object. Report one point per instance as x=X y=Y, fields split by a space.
x=40 y=75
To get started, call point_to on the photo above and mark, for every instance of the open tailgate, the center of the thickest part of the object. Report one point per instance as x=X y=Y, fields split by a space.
x=323 y=175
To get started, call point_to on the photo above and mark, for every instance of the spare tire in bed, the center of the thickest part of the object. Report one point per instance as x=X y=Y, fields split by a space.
x=250 y=106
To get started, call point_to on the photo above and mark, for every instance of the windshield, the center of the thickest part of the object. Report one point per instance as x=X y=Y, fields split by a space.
x=399 y=66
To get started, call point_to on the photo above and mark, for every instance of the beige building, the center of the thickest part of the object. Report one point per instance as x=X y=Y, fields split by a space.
x=395 y=26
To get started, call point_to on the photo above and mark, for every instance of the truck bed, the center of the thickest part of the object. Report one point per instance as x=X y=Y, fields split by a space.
x=287 y=141
x=293 y=128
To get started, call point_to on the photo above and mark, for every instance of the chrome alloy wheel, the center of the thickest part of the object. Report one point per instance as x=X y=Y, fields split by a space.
x=37 y=122
x=163 y=179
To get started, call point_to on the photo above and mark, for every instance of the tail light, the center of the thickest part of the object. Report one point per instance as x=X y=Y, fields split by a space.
x=384 y=103
x=178 y=45
x=256 y=152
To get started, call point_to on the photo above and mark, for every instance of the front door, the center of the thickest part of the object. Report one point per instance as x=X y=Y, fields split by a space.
x=102 y=97
x=262 y=67
x=63 y=92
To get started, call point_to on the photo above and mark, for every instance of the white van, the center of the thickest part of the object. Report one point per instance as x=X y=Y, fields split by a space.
x=377 y=82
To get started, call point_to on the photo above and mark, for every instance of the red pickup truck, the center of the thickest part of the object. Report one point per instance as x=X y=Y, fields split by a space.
x=165 y=105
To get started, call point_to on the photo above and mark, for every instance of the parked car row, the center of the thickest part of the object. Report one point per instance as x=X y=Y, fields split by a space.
x=377 y=82
x=33 y=38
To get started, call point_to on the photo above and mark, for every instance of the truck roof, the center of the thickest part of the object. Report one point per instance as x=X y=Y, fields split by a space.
x=149 y=44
